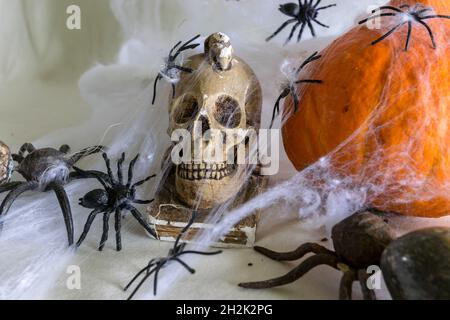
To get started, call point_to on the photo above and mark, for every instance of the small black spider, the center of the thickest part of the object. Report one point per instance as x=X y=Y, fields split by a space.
x=303 y=13
x=115 y=196
x=171 y=71
x=155 y=265
x=290 y=87
x=408 y=15
x=46 y=169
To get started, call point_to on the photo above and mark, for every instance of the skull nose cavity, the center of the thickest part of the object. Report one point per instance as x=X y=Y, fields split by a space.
x=204 y=123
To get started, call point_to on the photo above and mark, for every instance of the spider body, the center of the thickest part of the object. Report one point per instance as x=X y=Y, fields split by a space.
x=45 y=169
x=410 y=16
x=302 y=14
x=155 y=265
x=290 y=87
x=359 y=242
x=115 y=197
x=171 y=70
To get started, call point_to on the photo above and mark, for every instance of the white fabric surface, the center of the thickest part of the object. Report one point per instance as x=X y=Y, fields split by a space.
x=41 y=63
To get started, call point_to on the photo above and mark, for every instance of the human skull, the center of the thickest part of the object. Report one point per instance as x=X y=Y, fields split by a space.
x=6 y=163
x=222 y=93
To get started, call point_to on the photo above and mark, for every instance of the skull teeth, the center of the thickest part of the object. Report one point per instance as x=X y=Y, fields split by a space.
x=196 y=171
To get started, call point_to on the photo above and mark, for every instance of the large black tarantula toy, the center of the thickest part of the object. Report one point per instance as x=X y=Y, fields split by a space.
x=359 y=242
x=290 y=87
x=408 y=15
x=155 y=265
x=46 y=169
x=171 y=71
x=303 y=14
x=115 y=197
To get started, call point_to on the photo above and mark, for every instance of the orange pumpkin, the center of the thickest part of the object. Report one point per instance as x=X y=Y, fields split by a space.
x=382 y=114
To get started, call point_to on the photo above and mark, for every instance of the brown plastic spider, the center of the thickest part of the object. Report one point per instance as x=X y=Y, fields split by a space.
x=46 y=169
x=408 y=15
x=358 y=242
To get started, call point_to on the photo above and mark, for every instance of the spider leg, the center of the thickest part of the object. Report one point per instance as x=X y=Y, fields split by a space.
x=199 y=252
x=308 y=60
x=184 y=69
x=173 y=90
x=311 y=27
x=309 y=81
x=108 y=167
x=175 y=47
x=158 y=77
x=296 y=273
x=388 y=33
x=320 y=23
x=141 y=283
x=388 y=8
x=300 y=33
x=118 y=226
x=292 y=33
x=9 y=186
x=295 y=98
x=430 y=32
x=15 y=193
x=440 y=16
x=155 y=281
x=326 y=7
x=186 y=46
x=87 y=226
x=139 y=183
x=368 y=294
x=184 y=264
x=138 y=216
x=106 y=216
x=65 y=208
x=86 y=152
x=130 y=170
x=408 y=38
x=276 y=109
x=64 y=149
x=345 y=287
x=26 y=147
x=136 y=201
x=280 y=28
x=296 y=254
x=137 y=276
x=119 y=168
x=89 y=174
x=377 y=16
x=183 y=231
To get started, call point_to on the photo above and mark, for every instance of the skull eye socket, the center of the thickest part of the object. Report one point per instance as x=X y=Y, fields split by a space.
x=227 y=112
x=186 y=109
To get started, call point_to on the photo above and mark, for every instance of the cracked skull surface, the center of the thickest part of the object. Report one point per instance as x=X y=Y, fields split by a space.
x=220 y=98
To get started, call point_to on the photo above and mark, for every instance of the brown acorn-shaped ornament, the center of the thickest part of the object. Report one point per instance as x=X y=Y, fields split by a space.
x=6 y=163
x=417 y=265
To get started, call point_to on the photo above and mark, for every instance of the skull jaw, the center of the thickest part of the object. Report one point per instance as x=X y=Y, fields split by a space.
x=208 y=193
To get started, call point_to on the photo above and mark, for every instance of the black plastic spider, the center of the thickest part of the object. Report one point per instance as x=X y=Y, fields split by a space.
x=417 y=14
x=171 y=71
x=155 y=265
x=291 y=88
x=115 y=196
x=303 y=13
x=46 y=169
